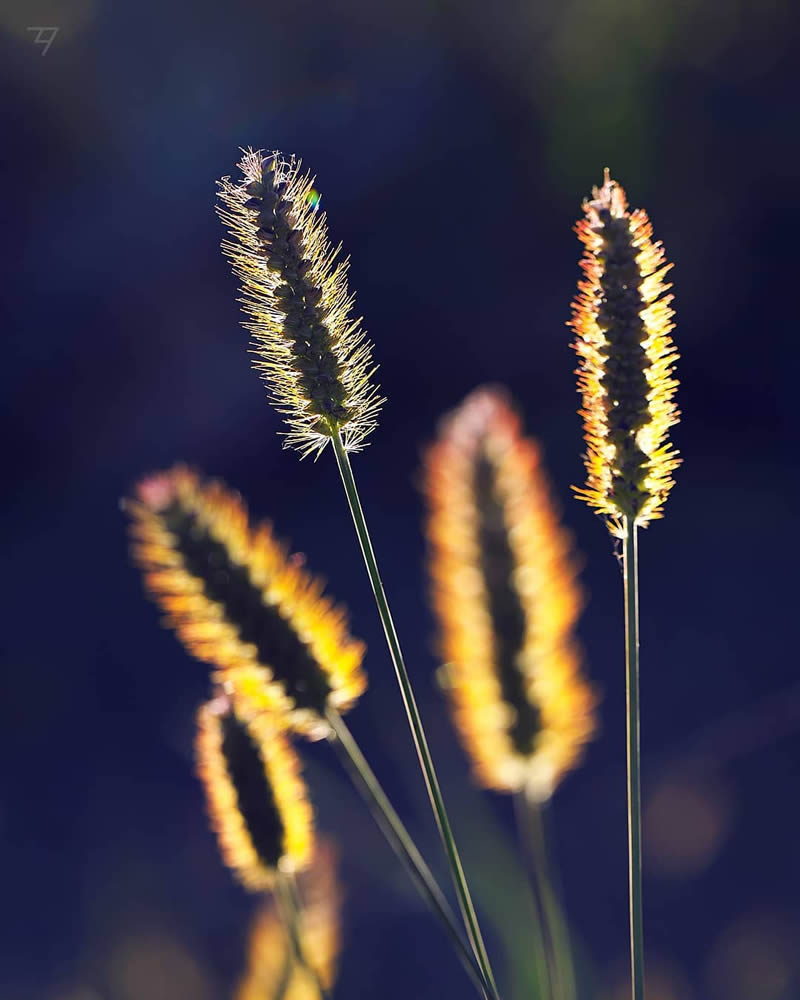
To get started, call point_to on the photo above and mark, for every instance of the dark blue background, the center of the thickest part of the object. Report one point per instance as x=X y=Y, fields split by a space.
x=453 y=142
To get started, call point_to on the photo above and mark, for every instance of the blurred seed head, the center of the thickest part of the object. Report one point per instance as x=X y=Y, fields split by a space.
x=506 y=598
x=257 y=801
x=239 y=602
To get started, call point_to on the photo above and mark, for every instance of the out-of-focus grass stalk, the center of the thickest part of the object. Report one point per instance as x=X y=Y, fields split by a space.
x=415 y=722
x=400 y=840
x=290 y=907
x=540 y=941
x=287 y=967
x=552 y=938
x=630 y=559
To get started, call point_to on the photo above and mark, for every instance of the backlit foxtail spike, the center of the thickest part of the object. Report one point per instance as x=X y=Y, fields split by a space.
x=506 y=599
x=311 y=351
x=271 y=962
x=256 y=798
x=622 y=318
x=239 y=602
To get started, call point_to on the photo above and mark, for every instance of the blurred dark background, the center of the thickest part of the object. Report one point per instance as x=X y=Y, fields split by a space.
x=453 y=142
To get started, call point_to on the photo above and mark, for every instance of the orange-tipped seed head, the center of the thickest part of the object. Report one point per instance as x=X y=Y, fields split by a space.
x=506 y=599
x=256 y=798
x=622 y=319
x=239 y=602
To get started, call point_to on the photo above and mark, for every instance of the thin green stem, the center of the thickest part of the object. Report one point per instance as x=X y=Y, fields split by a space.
x=543 y=958
x=400 y=840
x=414 y=720
x=631 y=579
x=555 y=925
x=290 y=908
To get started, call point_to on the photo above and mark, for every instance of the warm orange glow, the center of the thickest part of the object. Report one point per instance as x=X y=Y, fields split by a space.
x=239 y=602
x=505 y=594
x=282 y=816
x=622 y=318
x=270 y=954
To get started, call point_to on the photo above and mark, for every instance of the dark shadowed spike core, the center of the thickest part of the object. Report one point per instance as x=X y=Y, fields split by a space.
x=254 y=796
x=505 y=608
x=625 y=360
x=313 y=357
x=228 y=583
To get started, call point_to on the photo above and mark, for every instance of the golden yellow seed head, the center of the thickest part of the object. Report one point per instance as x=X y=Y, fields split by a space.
x=506 y=598
x=622 y=318
x=241 y=603
x=310 y=349
x=256 y=799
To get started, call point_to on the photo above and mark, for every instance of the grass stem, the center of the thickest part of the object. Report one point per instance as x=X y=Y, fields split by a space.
x=290 y=908
x=401 y=841
x=631 y=581
x=553 y=934
x=414 y=720
x=545 y=973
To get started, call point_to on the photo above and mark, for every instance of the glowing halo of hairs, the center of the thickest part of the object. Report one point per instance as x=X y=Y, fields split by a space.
x=622 y=318
x=256 y=799
x=506 y=599
x=312 y=353
x=239 y=602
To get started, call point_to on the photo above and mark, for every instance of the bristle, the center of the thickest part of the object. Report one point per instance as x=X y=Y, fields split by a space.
x=622 y=320
x=256 y=798
x=311 y=351
x=239 y=602
x=271 y=963
x=506 y=598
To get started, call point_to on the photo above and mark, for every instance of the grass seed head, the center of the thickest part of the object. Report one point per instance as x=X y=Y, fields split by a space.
x=506 y=599
x=256 y=798
x=622 y=319
x=241 y=603
x=311 y=351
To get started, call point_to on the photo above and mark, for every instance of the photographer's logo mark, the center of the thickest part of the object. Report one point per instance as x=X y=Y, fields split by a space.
x=44 y=37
